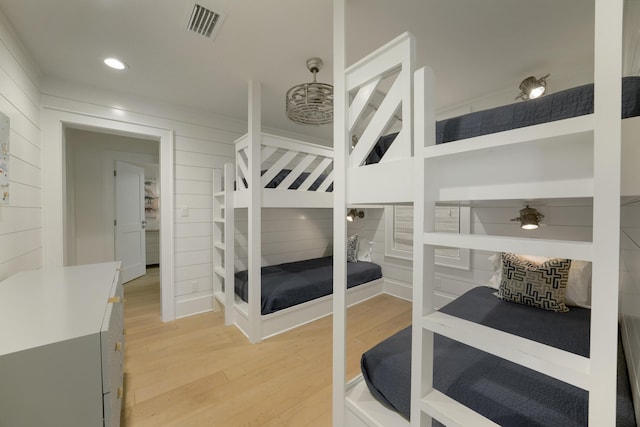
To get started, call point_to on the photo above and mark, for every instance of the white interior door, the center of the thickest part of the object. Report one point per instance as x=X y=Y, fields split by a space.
x=130 y=222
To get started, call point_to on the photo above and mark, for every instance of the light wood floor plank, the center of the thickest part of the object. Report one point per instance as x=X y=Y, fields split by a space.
x=198 y=372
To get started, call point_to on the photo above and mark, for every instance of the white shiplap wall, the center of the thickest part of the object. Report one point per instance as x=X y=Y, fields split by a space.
x=630 y=293
x=21 y=220
x=288 y=235
x=202 y=142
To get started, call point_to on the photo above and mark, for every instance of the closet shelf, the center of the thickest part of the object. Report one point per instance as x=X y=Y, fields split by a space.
x=576 y=128
x=522 y=245
x=565 y=366
x=451 y=412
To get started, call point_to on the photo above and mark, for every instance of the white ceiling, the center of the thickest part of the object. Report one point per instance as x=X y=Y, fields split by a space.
x=475 y=47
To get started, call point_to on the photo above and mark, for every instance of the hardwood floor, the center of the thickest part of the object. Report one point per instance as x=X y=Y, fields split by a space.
x=198 y=372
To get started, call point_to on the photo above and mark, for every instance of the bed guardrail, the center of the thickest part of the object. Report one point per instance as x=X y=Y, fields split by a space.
x=287 y=164
x=380 y=94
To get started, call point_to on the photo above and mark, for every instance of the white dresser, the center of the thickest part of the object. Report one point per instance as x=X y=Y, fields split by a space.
x=62 y=347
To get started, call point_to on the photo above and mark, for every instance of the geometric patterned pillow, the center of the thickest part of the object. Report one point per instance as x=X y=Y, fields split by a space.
x=541 y=286
x=352 y=248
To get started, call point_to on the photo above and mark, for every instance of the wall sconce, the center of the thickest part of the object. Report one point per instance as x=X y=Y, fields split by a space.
x=353 y=214
x=529 y=218
x=532 y=88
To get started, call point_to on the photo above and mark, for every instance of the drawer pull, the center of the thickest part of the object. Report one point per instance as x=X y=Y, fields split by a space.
x=114 y=299
x=120 y=392
x=118 y=346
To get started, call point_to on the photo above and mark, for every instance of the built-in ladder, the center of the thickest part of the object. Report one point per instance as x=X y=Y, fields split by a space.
x=595 y=140
x=223 y=239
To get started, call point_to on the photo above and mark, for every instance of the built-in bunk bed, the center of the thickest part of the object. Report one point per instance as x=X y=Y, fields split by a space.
x=275 y=172
x=492 y=356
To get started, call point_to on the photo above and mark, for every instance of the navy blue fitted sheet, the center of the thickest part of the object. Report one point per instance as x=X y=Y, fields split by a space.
x=289 y=284
x=504 y=392
x=574 y=102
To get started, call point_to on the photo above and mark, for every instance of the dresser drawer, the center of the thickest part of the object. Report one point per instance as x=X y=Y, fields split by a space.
x=112 y=403
x=112 y=342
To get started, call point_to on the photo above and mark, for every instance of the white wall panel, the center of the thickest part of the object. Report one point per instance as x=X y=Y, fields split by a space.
x=193 y=201
x=25 y=150
x=193 y=187
x=186 y=244
x=190 y=272
x=195 y=215
x=194 y=257
x=21 y=220
x=191 y=173
x=288 y=235
x=194 y=229
x=188 y=158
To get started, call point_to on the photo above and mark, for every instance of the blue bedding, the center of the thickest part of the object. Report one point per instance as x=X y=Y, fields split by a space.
x=574 y=102
x=504 y=392
x=289 y=284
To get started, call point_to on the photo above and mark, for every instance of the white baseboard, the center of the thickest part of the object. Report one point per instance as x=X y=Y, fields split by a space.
x=193 y=306
x=398 y=289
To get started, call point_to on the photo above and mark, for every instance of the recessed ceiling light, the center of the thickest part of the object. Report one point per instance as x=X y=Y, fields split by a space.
x=115 y=63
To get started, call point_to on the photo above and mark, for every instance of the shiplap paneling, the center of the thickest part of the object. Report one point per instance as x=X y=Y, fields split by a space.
x=288 y=235
x=195 y=215
x=21 y=220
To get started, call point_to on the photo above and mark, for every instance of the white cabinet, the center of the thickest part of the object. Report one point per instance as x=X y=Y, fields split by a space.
x=62 y=347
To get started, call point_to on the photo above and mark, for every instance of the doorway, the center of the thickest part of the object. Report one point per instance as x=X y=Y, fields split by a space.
x=58 y=246
x=106 y=215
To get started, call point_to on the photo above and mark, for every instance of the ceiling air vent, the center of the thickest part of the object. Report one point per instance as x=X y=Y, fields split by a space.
x=204 y=21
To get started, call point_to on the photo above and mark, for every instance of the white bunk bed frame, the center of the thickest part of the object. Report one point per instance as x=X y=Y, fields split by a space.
x=275 y=153
x=592 y=143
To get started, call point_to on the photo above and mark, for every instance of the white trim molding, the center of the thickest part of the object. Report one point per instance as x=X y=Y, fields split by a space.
x=55 y=122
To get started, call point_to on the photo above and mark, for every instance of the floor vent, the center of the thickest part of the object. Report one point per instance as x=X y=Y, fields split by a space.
x=204 y=21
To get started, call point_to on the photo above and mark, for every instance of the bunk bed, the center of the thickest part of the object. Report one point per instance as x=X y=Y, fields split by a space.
x=563 y=156
x=271 y=171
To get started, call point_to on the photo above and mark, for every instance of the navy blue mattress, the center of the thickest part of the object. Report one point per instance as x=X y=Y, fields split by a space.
x=577 y=101
x=289 y=284
x=504 y=392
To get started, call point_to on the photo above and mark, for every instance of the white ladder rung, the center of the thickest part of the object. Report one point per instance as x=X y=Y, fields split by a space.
x=521 y=245
x=451 y=412
x=575 y=128
x=219 y=271
x=219 y=194
x=219 y=245
x=218 y=219
x=568 y=367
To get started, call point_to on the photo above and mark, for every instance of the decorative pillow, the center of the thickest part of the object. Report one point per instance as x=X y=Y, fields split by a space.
x=578 y=292
x=352 y=248
x=541 y=286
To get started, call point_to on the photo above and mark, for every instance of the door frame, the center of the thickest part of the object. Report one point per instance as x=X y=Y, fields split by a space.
x=54 y=190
